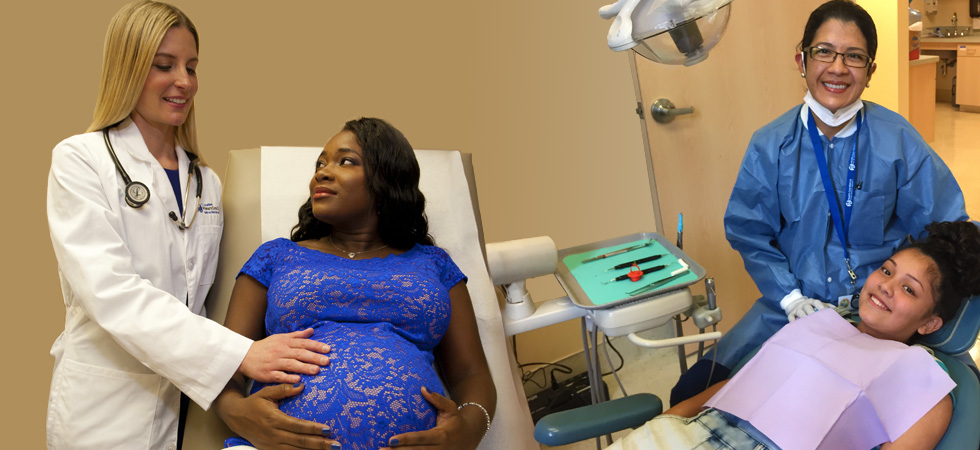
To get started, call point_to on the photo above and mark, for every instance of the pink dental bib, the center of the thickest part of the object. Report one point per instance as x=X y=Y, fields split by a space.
x=819 y=383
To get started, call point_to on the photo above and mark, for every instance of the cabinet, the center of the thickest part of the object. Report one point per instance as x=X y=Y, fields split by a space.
x=968 y=75
x=922 y=95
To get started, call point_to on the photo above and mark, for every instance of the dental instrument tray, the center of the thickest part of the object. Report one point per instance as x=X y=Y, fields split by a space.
x=597 y=275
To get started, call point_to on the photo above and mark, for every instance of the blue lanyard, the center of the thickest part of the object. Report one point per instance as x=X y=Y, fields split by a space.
x=828 y=186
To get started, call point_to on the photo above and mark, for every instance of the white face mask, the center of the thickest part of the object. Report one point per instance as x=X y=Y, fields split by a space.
x=832 y=119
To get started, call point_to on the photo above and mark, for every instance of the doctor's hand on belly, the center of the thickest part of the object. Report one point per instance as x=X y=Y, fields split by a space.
x=280 y=357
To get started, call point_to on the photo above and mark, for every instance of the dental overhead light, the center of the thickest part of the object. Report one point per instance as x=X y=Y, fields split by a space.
x=667 y=31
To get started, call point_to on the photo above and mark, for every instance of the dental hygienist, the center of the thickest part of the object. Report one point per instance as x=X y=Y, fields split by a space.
x=805 y=249
x=135 y=219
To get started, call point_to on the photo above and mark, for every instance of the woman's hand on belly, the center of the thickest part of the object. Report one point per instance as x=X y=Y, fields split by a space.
x=453 y=430
x=258 y=419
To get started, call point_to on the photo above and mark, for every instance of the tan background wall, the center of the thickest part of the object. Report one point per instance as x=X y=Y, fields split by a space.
x=890 y=82
x=528 y=87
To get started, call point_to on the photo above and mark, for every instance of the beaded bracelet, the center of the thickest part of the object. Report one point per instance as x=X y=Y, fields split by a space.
x=485 y=413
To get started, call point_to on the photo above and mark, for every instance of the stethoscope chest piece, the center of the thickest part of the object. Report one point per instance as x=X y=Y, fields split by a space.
x=137 y=194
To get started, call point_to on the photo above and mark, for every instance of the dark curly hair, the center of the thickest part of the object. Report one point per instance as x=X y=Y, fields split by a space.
x=392 y=174
x=955 y=248
x=845 y=11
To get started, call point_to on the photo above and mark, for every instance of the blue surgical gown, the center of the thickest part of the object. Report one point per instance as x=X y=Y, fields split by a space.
x=778 y=217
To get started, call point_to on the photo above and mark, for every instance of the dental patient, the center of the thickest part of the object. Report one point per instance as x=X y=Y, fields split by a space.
x=361 y=269
x=855 y=370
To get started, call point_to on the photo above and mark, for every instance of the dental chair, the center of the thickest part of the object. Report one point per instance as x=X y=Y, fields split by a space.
x=264 y=189
x=951 y=344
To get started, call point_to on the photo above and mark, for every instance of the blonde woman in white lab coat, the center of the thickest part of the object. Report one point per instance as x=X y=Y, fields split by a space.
x=135 y=267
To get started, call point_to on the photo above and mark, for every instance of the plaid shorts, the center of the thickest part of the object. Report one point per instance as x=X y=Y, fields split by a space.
x=710 y=430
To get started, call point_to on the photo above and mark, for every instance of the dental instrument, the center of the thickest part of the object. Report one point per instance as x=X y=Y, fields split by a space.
x=642 y=272
x=626 y=265
x=656 y=284
x=619 y=252
x=680 y=230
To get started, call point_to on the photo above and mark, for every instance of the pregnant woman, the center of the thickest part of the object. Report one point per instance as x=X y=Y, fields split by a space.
x=362 y=271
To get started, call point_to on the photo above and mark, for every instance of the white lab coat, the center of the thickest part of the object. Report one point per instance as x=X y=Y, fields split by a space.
x=130 y=341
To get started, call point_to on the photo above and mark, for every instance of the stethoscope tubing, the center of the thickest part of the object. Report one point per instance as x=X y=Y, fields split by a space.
x=137 y=194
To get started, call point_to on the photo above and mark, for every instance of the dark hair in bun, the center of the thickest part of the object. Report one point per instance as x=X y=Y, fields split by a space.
x=955 y=248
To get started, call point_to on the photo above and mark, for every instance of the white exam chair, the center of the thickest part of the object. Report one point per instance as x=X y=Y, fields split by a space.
x=264 y=189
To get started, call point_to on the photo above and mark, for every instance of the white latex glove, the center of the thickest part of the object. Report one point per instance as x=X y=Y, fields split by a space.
x=797 y=305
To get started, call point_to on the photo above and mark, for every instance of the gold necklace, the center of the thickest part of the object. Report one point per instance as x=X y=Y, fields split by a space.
x=350 y=254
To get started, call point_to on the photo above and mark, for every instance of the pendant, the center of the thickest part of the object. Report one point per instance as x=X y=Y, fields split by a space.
x=351 y=255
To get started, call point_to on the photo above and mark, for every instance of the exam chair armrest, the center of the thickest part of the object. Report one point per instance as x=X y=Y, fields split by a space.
x=592 y=421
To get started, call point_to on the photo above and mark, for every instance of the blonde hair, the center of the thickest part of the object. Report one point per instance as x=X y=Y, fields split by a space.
x=131 y=43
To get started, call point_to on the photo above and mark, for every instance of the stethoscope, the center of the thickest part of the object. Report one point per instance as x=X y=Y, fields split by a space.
x=137 y=194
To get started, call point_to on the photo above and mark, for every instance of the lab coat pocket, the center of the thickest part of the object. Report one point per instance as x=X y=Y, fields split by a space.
x=100 y=408
x=207 y=252
x=868 y=218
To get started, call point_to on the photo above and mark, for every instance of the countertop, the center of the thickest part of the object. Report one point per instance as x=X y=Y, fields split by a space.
x=924 y=59
x=935 y=43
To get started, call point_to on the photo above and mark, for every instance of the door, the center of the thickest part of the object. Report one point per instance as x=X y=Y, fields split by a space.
x=749 y=79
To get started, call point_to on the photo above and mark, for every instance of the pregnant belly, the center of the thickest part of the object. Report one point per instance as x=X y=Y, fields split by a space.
x=371 y=390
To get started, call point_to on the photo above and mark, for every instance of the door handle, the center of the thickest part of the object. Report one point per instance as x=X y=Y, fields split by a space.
x=663 y=111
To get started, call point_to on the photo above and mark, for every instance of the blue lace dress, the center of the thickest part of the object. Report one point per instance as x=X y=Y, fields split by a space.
x=382 y=318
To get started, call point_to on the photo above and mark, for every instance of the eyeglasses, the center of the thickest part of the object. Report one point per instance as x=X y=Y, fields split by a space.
x=851 y=59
